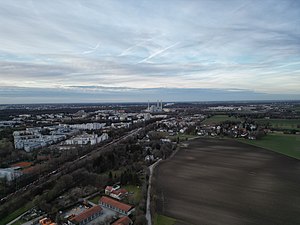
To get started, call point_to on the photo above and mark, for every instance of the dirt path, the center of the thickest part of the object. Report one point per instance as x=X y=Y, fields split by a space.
x=148 y=212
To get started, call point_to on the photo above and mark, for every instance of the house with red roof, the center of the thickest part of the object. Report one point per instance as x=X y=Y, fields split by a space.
x=125 y=220
x=87 y=215
x=116 y=206
x=119 y=194
x=116 y=192
x=109 y=189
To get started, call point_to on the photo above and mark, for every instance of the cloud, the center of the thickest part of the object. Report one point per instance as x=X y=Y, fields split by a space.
x=249 y=45
x=84 y=94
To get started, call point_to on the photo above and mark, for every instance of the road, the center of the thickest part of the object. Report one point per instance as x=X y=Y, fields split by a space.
x=148 y=210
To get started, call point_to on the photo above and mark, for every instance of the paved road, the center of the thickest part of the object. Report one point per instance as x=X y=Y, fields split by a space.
x=148 y=211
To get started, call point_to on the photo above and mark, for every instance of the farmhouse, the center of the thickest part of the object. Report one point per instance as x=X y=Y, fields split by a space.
x=116 y=206
x=123 y=221
x=87 y=215
x=116 y=192
x=109 y=189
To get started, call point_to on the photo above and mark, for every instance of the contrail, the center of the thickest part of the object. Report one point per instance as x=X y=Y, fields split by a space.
x=158 y=52
x=93 y=49
x=126 y=51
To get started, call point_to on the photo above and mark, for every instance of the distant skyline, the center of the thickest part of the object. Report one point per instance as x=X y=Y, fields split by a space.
x=126 y=51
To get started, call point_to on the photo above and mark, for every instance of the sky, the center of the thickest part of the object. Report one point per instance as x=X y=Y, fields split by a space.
x=139 y=50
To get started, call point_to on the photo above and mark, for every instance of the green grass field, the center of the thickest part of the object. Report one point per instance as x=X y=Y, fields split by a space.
x=219 y=118
x=16 y=213
x=136 y=190
x=282 y=143
x=163 y=220
x=95 y=199
x=281 y=123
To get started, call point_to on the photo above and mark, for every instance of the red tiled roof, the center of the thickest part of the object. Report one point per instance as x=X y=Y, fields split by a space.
x=109 y=188
x=123 y=221
x=123 y=191
x=119 y=192
x=87 y=213
x=115 y=192
x=22 y=164
x=115 y=203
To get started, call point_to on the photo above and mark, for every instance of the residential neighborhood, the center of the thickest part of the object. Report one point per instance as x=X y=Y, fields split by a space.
x=92 y=167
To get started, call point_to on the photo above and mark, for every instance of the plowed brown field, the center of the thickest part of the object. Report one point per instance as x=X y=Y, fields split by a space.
x=213 y=181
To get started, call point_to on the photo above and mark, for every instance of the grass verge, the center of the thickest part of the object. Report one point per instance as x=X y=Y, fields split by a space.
x=163 y=220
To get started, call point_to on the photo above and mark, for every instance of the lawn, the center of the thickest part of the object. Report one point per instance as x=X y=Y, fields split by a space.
x=95 y=199
x=163 y=220
x=220 y=118
x=136 y=190
x=16 y=213
x=282 y=143
x=281 y=123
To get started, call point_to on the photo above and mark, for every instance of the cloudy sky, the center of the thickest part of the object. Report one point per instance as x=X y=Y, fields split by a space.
x=135 y=50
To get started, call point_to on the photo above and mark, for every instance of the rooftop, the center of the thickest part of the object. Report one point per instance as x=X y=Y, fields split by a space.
x=87 y=213
x=22 y=164
x=123 y=221
x=115 y=203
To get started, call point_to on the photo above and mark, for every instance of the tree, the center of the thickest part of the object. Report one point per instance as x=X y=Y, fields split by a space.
x=110 y=176
x=110 y=180
x=140 y=220
x=136 y=179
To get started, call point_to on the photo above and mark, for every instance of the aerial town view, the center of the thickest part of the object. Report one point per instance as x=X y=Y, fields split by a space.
x=174 y=112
